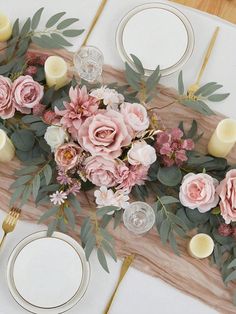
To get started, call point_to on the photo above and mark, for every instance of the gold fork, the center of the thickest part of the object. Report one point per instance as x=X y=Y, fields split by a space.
x=9 y=222
x=194 y=87
x=125 y=266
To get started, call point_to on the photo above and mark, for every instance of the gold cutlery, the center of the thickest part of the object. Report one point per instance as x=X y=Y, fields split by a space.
x=194 y=87
x=94 y=22
x=125 y=266
x=10 y=222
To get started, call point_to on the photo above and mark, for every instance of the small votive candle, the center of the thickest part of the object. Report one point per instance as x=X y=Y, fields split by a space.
x=7 y=149
x=56 y=72
x=5 y=28
x=201 y=246
x=223 y=139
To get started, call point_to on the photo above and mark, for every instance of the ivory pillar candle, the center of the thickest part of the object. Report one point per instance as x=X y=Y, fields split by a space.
x=56 y=72
x=5 y=28
x=7 y=150
x=201 y=246
x=223 y=139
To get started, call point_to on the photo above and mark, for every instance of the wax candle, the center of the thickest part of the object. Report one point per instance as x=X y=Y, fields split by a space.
x=201 y=246
x=223 y=139
x=56 y=72
x=5 y=28
x=7 y=150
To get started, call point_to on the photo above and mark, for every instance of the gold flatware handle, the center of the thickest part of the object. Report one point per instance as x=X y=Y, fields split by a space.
x=208 y=53
x=94 y=22
x=3 y=238
x=125 y=266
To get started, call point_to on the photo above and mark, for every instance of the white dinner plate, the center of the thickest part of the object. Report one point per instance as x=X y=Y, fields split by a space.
x=48 y=274
x=158 y=34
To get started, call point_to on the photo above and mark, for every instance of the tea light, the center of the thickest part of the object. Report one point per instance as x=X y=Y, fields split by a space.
x=223 y=139
x=56 y=72
x=5 y=28
x=7 y=150
x=201 y=246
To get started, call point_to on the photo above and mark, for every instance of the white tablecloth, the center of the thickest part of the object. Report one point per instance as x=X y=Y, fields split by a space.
x=139 y=293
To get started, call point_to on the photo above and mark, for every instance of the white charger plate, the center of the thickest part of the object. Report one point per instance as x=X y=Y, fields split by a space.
x=48 y=274
x=158 y=34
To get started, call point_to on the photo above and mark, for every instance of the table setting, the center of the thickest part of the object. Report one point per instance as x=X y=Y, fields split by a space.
x=117 y=158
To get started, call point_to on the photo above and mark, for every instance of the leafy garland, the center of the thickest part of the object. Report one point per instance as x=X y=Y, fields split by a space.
x=37 y=177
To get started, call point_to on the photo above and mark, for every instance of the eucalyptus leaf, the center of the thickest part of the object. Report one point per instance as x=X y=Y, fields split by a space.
x=107 y=236
x=90 y=245
x=218 y=97
x=173 y=243
x=36 y=18
x=47 y=171
x=27 y=170
x=153 y=79
x=51 y=212
x=138 y=64
x=54 y=19
x=60 y=40
x=26 y=27
x=199 y=106
x=117 y=218
x=164 y=230
x=70 y=216
x=109 y=249
x=75 y=203
x=67 y=23
x=168 y=200
x=7 y=67
x=211 y=90
x=36 y=186
x=102 y=259
x=105 y=210
x=26 y=194
x=169 y=176
x=23 y=140
x=204 y=88
x=232 y=264
x=72 y=32
x=231 y=277
x=20 y=181
x=180 y=83
x=15 y=28
x=30 y=119
x=16 y=194
x=52 y=227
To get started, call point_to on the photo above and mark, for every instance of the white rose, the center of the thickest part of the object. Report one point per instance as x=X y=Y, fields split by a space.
x=55 y=136
x=141 y=153
x=136 y=117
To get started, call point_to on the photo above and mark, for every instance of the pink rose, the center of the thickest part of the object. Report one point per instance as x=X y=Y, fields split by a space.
x=136 y=117
x=102 y=171
x=7 y=109
x=199 y=191
x=104 y=133
x=68 y=155
x=227 y=193
x=27 y=93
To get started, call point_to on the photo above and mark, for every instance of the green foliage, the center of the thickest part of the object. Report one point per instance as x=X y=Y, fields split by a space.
x=197 y=101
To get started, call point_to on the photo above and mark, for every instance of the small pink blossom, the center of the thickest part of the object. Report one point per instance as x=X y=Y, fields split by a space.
x=63 y=178
x=7 y=109
x=74 y=188
x=104 y=133
x=31 y=70
x=135 y=175
x=199 y=191
x=81 y=106
x=27 y=93
x=227 y=193
x=172 y=147
x=225 y=230
x=50 y=117
x=58 y=198
x=39 y=109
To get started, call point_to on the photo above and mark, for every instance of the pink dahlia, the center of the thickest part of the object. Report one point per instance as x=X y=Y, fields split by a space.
x=136 y=175
x=172 y=147
x=81 y=106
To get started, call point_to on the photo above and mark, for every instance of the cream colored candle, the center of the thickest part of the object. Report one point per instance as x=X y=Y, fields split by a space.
x=7 y=150
x=223 y=139
x=5 y=28
x=201 y=246
x=56 y=72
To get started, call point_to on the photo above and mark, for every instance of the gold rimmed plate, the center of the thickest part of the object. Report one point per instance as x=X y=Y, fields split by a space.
x=48 y=274
x=158 y=34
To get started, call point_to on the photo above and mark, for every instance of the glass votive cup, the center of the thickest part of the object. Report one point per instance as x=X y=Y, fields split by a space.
x=88 y=63
x=139 y=217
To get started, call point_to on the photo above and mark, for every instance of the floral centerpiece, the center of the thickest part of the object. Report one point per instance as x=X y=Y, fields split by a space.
x=107 y=138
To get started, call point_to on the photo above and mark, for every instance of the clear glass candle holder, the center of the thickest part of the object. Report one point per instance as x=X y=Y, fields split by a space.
x=88 y=63
x=139 y=217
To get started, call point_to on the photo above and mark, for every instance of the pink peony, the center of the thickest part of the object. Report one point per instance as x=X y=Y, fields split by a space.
x=105 y=171
x=81 y=106
x=68 y=156
x=7 y=108
x=136 y=175
x=27 y=93
x=198 y=191
x=172 y=147
x=104 y=133
x=227 y=193
x=136 y=117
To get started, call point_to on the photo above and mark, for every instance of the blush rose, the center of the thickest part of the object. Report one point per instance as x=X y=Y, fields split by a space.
x=227 y=193
x=68 y=155
x=27 y=93
x=199 y=191
x=7 y=108
x=104 y=133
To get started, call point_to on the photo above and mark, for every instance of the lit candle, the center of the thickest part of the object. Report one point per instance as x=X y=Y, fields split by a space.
x=56 y=72
x=7 y=150
x=5 y=28
x=223 y=139
x=201 y=246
